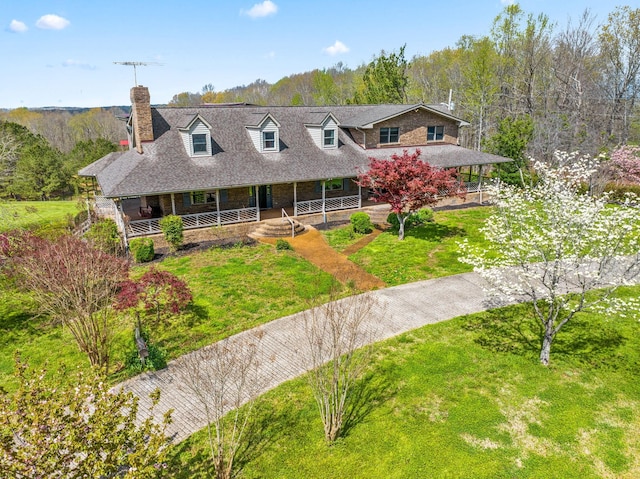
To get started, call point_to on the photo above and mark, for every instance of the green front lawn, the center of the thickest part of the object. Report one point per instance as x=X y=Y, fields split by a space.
x=445 y=402
x=427 y=252
x=234 y=289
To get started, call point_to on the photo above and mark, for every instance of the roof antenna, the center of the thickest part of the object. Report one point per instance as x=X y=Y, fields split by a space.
x=137 y=64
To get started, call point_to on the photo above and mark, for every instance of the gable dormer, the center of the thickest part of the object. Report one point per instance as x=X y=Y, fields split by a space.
x=265 y=135
x=196 y=137
x=325 y=133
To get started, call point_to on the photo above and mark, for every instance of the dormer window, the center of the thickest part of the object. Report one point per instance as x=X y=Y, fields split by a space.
x=435 y=133
x=199 y=143
x=196 y=137
x=268 y=141
x=389 y=135
x=329 y=138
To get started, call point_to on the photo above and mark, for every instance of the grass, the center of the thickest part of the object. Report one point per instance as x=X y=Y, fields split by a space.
x=464 y=398
x=233 y=288
x=237 y=288
x=341 y=238
x=446 y=403
x=36 y=215
x=428 y=251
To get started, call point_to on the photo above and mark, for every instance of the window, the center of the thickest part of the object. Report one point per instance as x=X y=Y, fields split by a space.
x=435 y=133
x=329 y=138
x=199 y=143
x=202 y=197
x=333 y=184
x=389 y=135
x=268 y=140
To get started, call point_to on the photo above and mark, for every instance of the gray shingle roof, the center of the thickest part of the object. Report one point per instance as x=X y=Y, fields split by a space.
x=165 y=166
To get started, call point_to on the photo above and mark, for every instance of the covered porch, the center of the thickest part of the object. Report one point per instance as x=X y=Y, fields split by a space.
x=200 y=209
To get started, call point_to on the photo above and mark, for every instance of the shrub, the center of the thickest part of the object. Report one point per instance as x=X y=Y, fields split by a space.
x=173 y=228
x=282 y=245
x=417 y=218
x=141 y=249
x=425 y=215
x=619 y=190
x=104 y=236
x=361 y=223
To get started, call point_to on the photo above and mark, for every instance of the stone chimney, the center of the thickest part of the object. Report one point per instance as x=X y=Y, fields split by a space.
x=141 y=115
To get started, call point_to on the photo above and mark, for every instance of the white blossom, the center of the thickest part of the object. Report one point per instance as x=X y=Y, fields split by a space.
x=553 y=238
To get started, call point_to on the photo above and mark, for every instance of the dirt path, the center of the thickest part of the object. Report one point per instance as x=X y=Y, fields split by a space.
x=361 y=243
x=313 y=247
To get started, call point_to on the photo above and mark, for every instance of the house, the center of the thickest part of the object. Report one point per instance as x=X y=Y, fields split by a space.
x=223 y=164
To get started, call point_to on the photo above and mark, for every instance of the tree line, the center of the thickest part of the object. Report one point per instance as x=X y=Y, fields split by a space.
x=566 y=87
x=41 y=152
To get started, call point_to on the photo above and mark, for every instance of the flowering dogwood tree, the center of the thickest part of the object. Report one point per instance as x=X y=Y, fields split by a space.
x=553 y=244
x=408 y=184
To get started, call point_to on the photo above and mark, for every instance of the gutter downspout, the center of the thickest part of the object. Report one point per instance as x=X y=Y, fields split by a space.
x=364 y=137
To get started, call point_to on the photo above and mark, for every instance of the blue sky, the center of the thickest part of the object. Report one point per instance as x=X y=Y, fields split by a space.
x=61 y=52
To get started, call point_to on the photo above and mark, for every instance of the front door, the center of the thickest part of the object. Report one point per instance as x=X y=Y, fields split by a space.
x=264 y=196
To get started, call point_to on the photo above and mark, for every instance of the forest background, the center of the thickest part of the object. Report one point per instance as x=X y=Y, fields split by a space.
x=527 y=88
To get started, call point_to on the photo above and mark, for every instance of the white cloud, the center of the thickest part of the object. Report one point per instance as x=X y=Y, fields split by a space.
x=263 y=9
x=17 y=26
x=337 y=48
x=270 y=55
x=52 y=22
x=77 y=64
x=507 y=2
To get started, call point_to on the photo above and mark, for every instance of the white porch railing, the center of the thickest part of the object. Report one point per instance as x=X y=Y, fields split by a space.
x=473 y=186
x=330 y=204
x=196 y=220
x=105 y=207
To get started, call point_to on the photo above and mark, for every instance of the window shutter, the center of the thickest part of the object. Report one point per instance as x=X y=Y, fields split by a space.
x=318 y=187
x=224 y=196
x=345 y=183
x=186 y=199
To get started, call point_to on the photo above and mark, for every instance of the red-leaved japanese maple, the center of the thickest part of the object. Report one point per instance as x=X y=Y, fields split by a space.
x=156 y=290
x=407 y=184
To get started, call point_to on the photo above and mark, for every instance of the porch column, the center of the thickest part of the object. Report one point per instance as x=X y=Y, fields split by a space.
x=218 y=205
x=324 y=213
x=256 y=191
x=173 y=204
x=119 y=212
x=480 y=182
x=295 y=198
x=359 y=196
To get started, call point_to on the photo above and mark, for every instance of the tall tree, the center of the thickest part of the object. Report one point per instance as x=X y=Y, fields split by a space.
x=480 y=86
x=407 y=184
x=511 y=140
x=620 y=49
x=9 y=147
x=431 y=78
x=385 y=79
